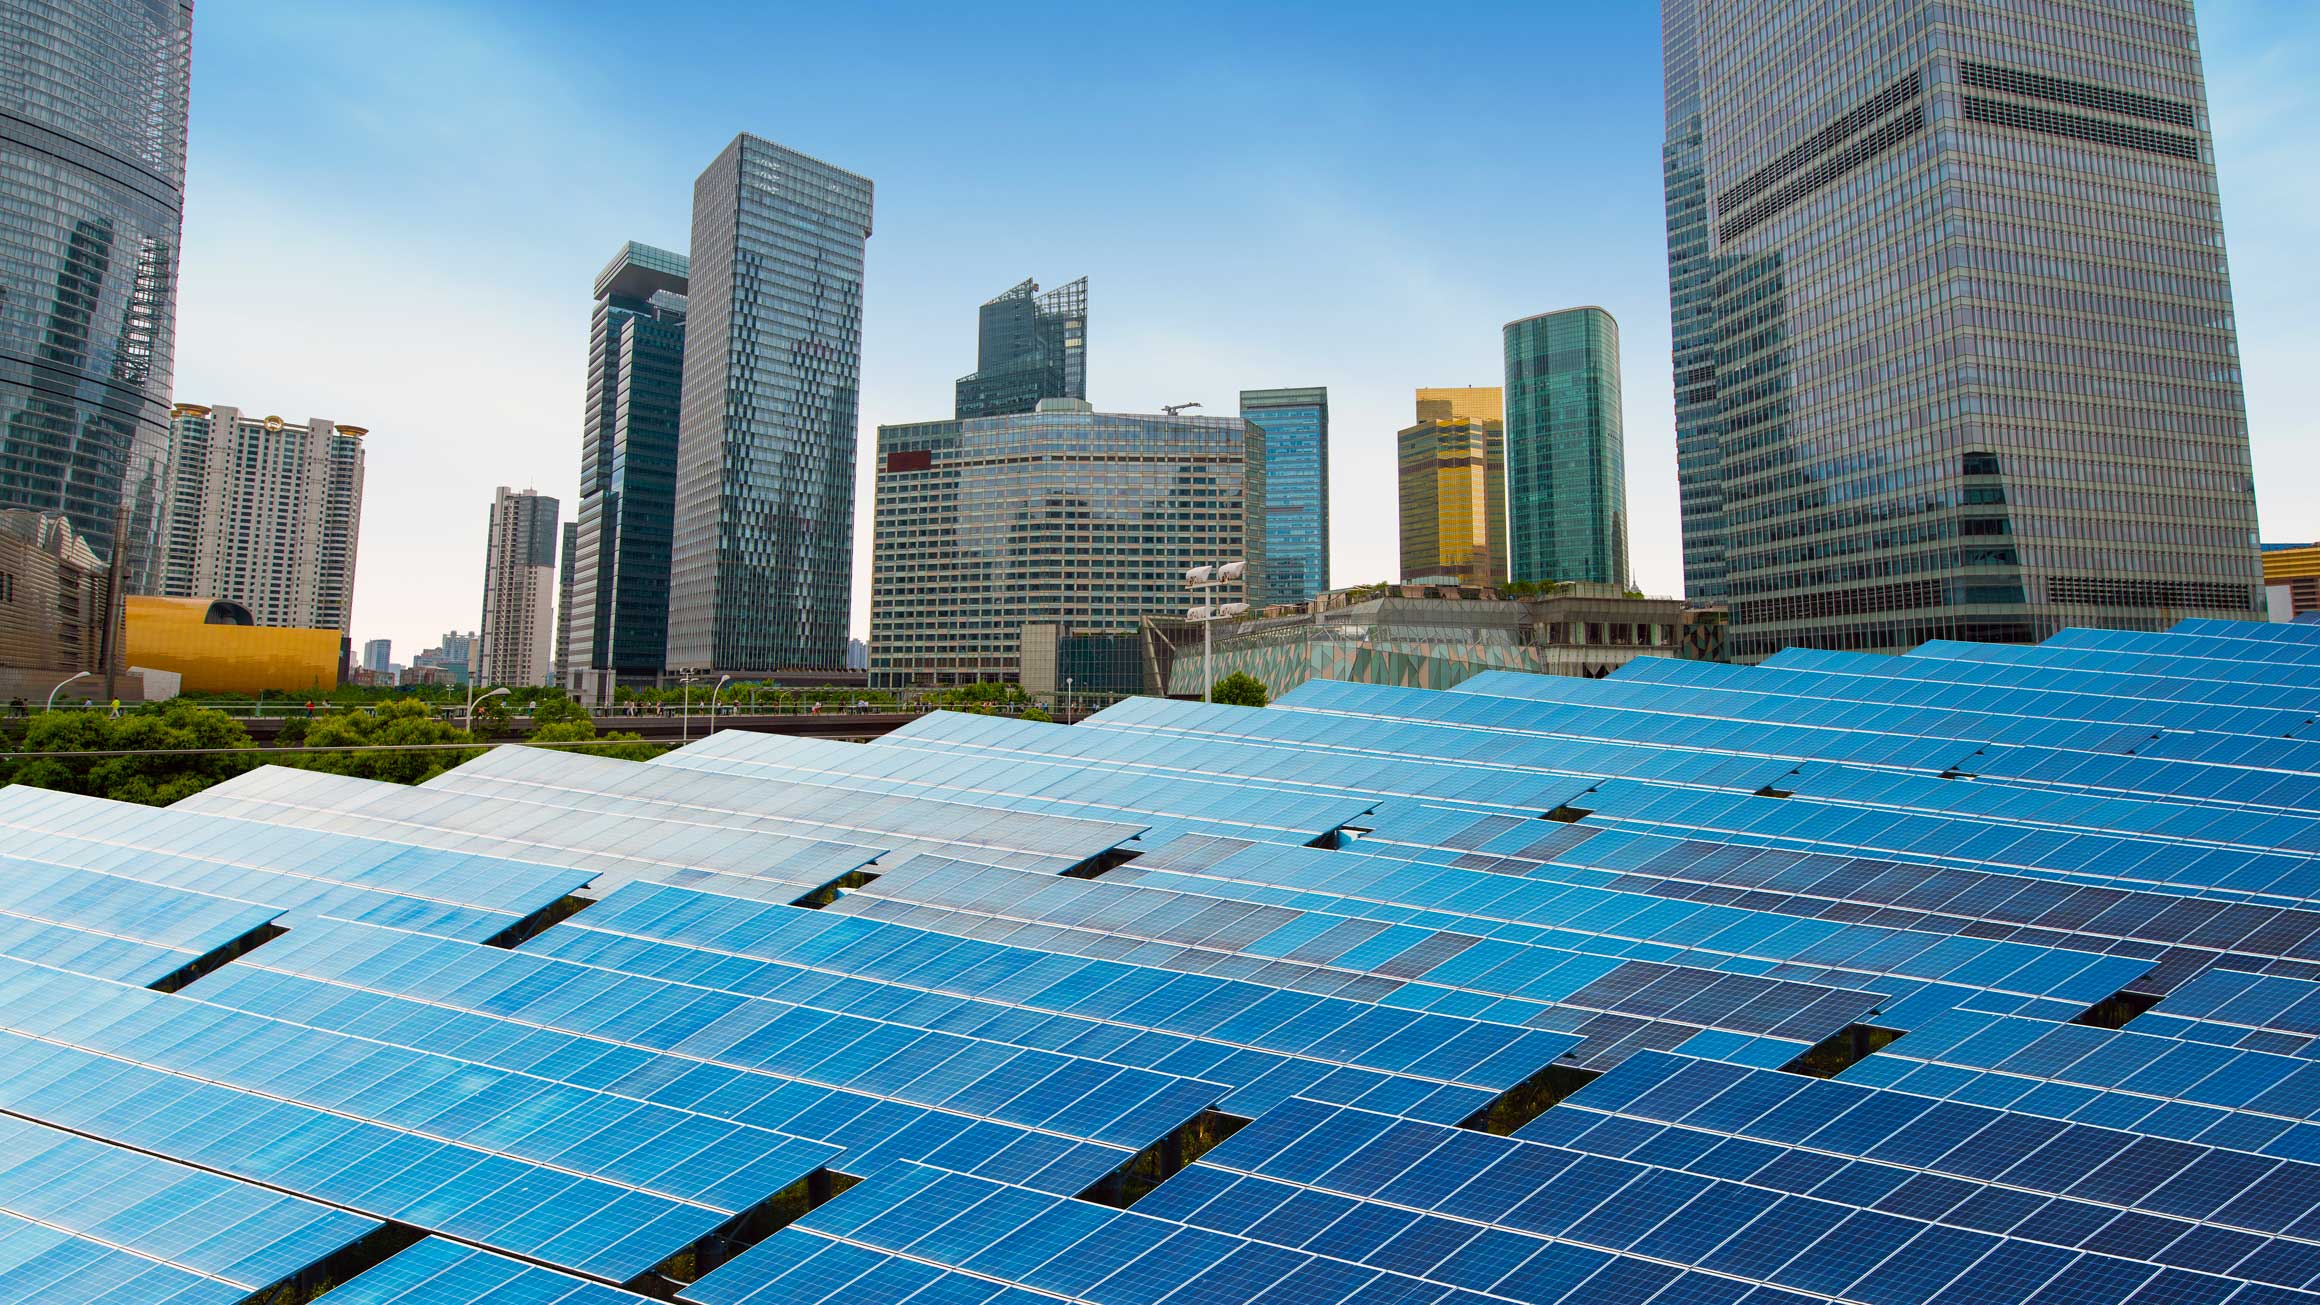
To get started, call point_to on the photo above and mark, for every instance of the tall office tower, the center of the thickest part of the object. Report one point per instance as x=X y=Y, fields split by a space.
x=378 y=654
x=619 y=581
x=1453 y=486
x=1976 y=373
x=1566 y=456
x=1028 y=346
x=1087 y=520
x=516 y=643
x=1692 y=309
x=92 y=173
x=1296 y=426
x=762 y=564
x=265 y=514
x=568 y=561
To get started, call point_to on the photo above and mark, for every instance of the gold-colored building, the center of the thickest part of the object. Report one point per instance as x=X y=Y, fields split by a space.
x=218 y=648
x=2292 y=579
x=1453 y=486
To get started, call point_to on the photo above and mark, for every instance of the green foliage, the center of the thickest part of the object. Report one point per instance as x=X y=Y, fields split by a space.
x=1239 y=689
x=985 y=696
x=396 y=723
x=742 y=696
x=1038 y=714
x=622 y=745
x=560 y=710
x=491 y=717
x=183 y=748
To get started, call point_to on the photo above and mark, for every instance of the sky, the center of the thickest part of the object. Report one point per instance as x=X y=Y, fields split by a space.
x=395 y=213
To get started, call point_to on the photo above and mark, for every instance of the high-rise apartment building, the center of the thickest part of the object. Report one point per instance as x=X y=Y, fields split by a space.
x=1967 y=366
x=1087 y=520
x=1028 y=346
x=1452 y=470
x=92 y=173
x=567 y=562
x=1566 y=453
x=762 y=560
x=618 y=620
x=1296 y=426
x=264 y=513
x=516 y=643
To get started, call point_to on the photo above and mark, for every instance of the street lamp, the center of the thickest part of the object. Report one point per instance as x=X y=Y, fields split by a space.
x=78 y=675
x=722 y=681
x=1205 y=581
x=473 y=698
x=1067 y=700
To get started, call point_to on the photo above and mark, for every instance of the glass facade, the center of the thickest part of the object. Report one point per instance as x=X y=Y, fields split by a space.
x=1691 y=308
x=1086 y=520
x=1028 y=346
x=1566 y=454
x=1296 y=426
x=1452 y=469
x=1975 y=373
x=92 y=172
x=762 y=559
x=619 y=582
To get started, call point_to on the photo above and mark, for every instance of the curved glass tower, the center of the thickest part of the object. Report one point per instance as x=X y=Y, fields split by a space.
x=92 y=171
x=1566 y=459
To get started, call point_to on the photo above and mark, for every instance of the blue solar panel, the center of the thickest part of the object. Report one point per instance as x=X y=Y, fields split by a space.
x=1978 y=975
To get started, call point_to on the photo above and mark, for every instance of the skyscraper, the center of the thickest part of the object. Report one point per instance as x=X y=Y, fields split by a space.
x=1453 y=486
x=1296 y=426
x=378 y=654
x=92 y=173
x=762 y=561
x=1974 y=367
x=264 y=513
x=516 y=643
x=619 y=580
x=568 y=562
x=1028 y=346
x=1566 y=455
x=1083 y=519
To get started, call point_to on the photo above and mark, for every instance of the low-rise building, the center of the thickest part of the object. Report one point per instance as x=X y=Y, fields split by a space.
x=1433 y=636
x=2292 y=581
x=217 y=646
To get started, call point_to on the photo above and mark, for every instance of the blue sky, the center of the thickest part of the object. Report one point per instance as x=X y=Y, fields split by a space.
x=394 y=213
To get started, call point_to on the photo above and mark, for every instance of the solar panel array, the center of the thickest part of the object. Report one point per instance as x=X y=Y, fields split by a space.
x=1983 y=974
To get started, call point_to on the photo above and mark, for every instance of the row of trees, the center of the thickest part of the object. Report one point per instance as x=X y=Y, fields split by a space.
x=159 y=753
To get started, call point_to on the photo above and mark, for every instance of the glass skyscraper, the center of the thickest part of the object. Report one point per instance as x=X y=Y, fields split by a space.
x=1067 y=516
x=1974 y=369
x=1028 y=346
x=619 y=608
x=1452 y=467
x=762 y=562
x=92 y=170
x=1566 y=458
x=1296 y=426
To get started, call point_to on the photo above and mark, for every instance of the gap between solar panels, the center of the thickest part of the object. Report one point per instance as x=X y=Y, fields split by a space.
x=217 y=957
x=538 y=922
x=2114 y=1011
x=724 y=1243
x=1164 y=1159
x=1842 y=1050
x=355 y=1258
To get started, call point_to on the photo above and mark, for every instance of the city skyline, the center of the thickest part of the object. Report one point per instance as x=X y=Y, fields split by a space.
x=1411 y=297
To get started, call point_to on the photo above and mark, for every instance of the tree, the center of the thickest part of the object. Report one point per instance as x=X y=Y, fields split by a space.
x=1037 y=714
x=621 y=745
x=179 y=749
x=395 y=723
x=560 y=710
x=1239 y=689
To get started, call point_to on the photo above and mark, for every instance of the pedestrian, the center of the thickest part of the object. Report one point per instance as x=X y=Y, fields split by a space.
x=116 y=709
x=16 y=706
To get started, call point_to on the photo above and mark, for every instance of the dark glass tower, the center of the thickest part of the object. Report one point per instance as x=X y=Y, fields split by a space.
x=619 y=606
x=1566 y=453
x=1028 y=346
x=1296 y=426
x=1975 y=370
x=92 y=171
x=761 y=567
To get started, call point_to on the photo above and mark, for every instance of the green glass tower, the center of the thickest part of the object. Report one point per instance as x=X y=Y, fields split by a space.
x=1566 y=462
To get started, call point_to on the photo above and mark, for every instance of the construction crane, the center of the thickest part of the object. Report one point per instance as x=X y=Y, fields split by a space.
x=1173 y=408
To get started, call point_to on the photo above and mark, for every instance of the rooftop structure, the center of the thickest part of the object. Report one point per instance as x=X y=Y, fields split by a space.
x=1028 y=346
x=1978 y=976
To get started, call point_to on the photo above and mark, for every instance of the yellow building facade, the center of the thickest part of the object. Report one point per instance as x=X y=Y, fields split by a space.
x=215 y=648
x=2292 y=580
x=1452 y=471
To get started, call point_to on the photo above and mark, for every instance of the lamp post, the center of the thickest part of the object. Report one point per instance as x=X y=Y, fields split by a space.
x=1067 y=700
x=474 y=698
x=1205 y=581
x=77 y=675
x=722 y=681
